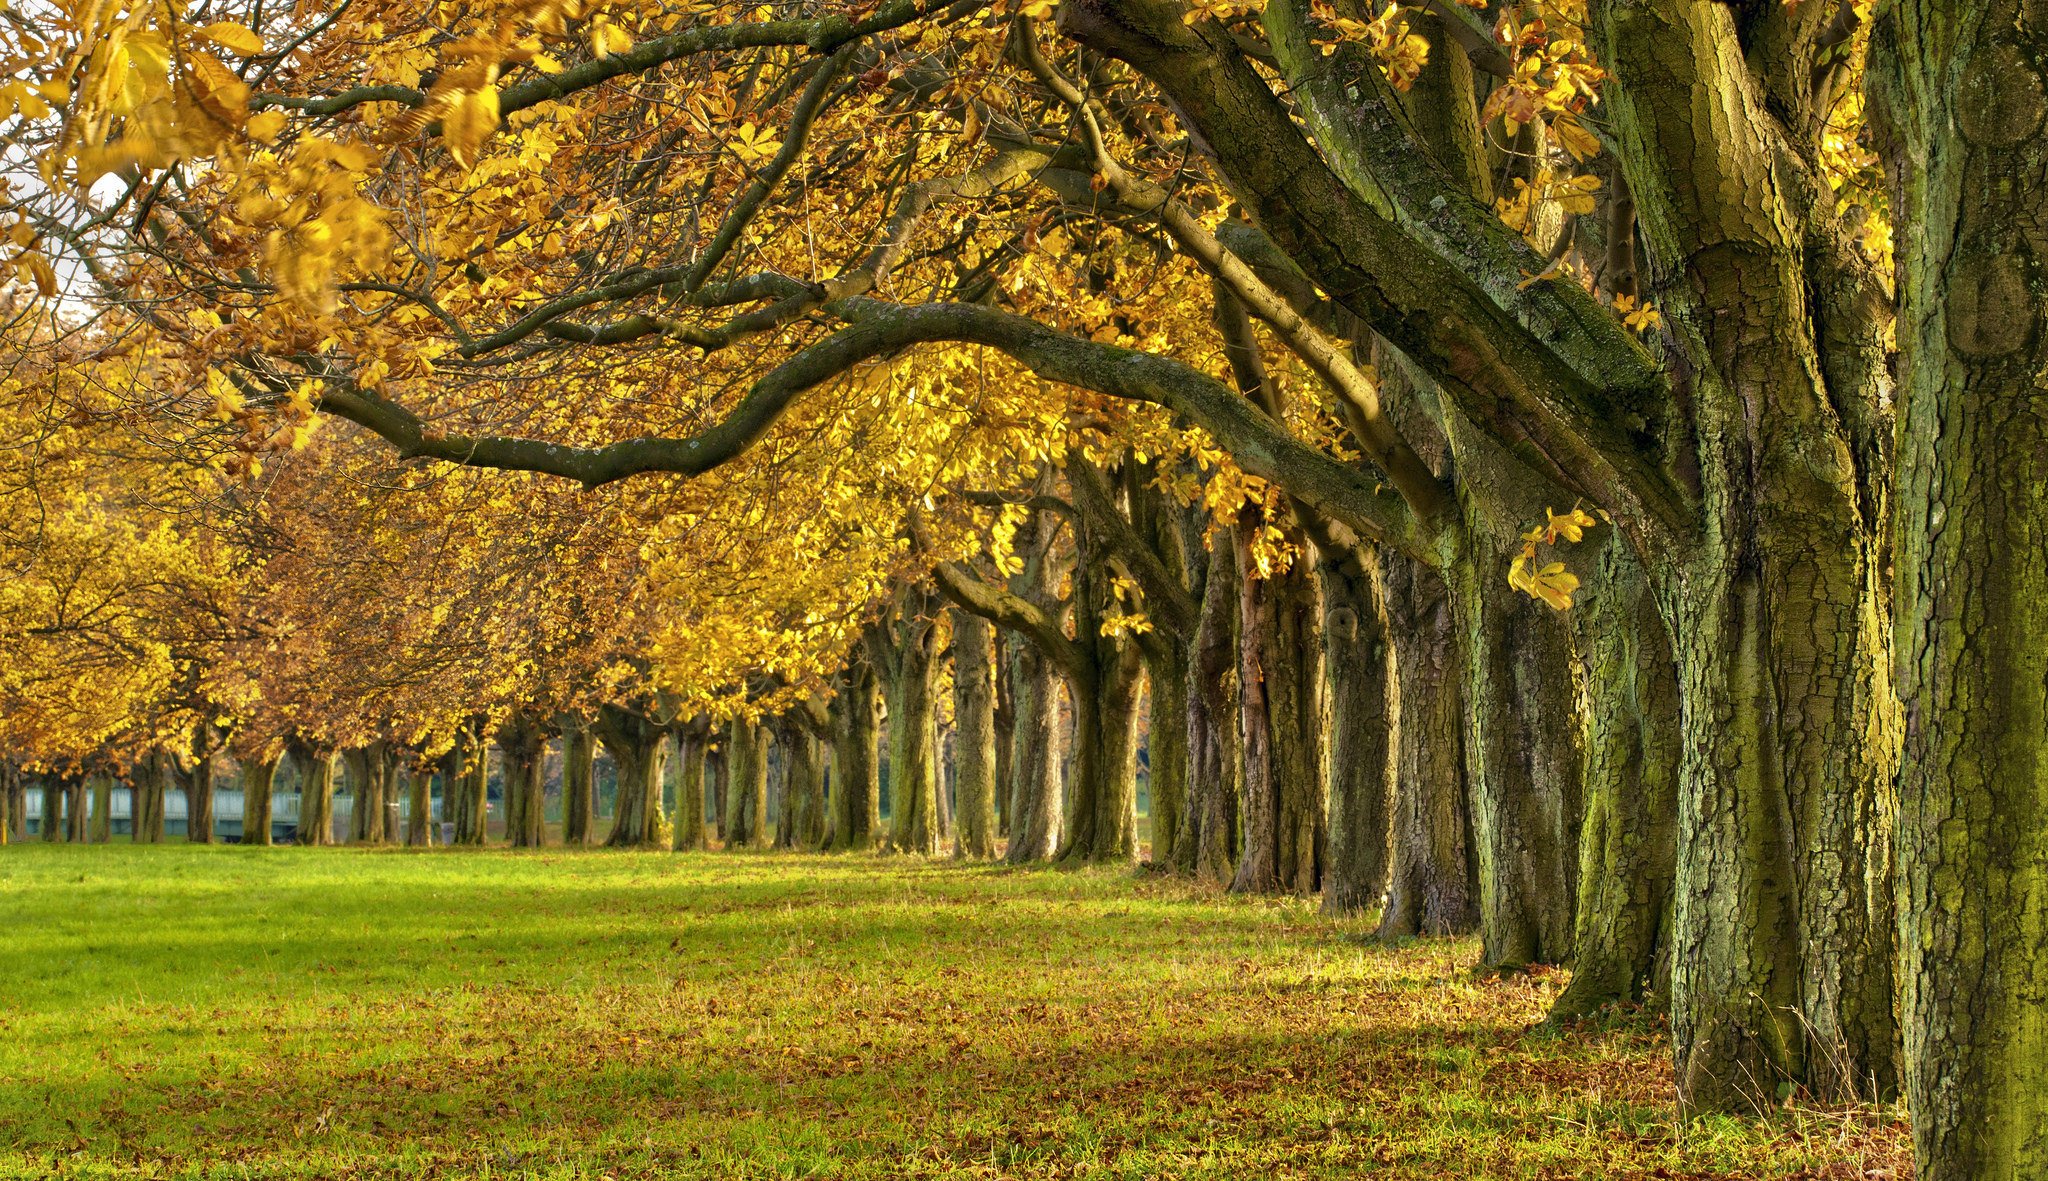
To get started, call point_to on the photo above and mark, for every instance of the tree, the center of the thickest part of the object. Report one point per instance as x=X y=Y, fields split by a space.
x=974 y=713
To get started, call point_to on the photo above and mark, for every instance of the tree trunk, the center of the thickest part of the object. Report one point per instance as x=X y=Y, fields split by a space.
x=639 y=749
x=259 y=778
x=1435 y=884
x=912 y=665
x=689 y=817
x=1959 y=91
x=1526 y=764
x=1006 y=728
x=470 y=774
x=52 y=823
x=746 y=792
x=974 y=741
x=579 y=786
x=78 y=809
x=1102 y=800
x=1282 y=715
x=1166 y=744
x=316 y=794
x=14 y=821
x=1363 y=702
x=419 y=821
x=199 y=799
x=1207 y=845
x=101 y=823
x=393 y=775
x=856 y=786
x=369 y=780
x=1628 y=847
x=1035 y=756
x=803 y=794
x=525 y=745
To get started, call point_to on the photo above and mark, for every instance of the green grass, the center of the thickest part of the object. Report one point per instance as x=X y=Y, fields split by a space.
x=243 y=1013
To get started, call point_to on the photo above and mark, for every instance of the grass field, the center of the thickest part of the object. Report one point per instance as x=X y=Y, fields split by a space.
x=243 y=1013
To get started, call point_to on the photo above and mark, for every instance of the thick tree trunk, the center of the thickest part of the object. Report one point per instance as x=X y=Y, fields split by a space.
x=1102 y=795
x=912 y=664
x=259 y=778
x=525 y=746
x=1358 y=658
x=803 y=797
x=316 y=793
x=420 y=829
x=974 y=741
x=579 y=786
x=14 y=814
x=1207 y=845
x=51 y=825
x=1435 y=884
x=639 y=750
x=101 y=824
x=468 y=772
x=1286 y=821
x=368 y=782
x=689 y=818
x=856 y=771
x=1959 y=89
x=78 y=809
x=1035 y=757
x=746 y=792
x=1166 y=744
x=1628 y=847
x=199 y=799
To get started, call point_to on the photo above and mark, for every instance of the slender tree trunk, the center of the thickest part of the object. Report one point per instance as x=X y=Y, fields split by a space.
x=1959 y=91
x=1628 y=848
x=579 y=786
x=1434 y=889
x=974 y=742
x=525 y=746
x=689 y=817
x=1282 y=714
x=1207 y=845
x=15 y=786
x=393 y=777
x=316 y=794
x=857 y=787
x=1358 y=658
x=1035 y=757
x=1005 y=729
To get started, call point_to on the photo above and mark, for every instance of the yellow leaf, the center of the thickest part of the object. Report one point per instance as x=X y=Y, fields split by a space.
x=233 y=37
x=470 y=123
x=263 y=127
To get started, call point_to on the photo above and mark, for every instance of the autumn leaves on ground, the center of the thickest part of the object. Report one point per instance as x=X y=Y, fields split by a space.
x=236 y=1013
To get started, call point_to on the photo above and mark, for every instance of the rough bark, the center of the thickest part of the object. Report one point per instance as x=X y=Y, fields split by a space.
x=1435 y=885
x=688 y=821
x=1959 y=88
x=77 y=808
x=1037 y=743
x=524 y=742
x=803 y=799
x=639 y=748
x=579 y=785
x=259 y=779
x=420 y=829
x=1628 y=847
x=908 y=657
x=1358 y=658
x=746 y=793
x=316 y=792
x=100 y=825
x=856 y=771
x=974 y=742
x=1208 y=843
x=1282 y=714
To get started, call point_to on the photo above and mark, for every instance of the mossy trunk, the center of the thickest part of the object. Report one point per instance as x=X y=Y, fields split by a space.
x=1282 y=711
x=1036 y=744
x=316 y=793
x=1628 y=848
x=688 y=821
x=1358 y=659
x=579 y=786
x=1434 y=888
x=746 y=792
x=1102 y=792
x=1166 y=744
x=803 y=797
x=524 y=743
x=1525 y=761
x=856 y=770
x=1960 y=89
x=259 y=778
x=974 y=740
x=1207 y=845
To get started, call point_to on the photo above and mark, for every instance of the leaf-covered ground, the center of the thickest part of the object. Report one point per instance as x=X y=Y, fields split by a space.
x=241 y=1013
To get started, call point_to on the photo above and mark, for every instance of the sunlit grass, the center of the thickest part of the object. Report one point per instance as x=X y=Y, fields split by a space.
x=240 y=1013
